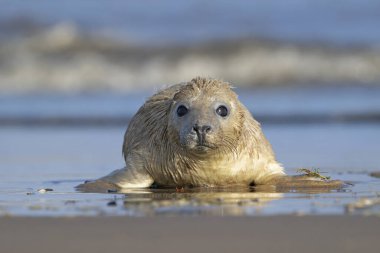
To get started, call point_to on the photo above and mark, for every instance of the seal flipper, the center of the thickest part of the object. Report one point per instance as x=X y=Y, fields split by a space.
x=117 y=180
x=97 y=186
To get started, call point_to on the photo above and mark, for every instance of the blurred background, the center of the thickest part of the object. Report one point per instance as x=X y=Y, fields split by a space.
x=72 y=73
x=81 y=46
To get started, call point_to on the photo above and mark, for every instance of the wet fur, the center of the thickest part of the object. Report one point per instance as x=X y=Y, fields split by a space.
x=153 y=152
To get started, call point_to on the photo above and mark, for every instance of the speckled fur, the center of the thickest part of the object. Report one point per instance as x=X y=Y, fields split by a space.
x=240 y=153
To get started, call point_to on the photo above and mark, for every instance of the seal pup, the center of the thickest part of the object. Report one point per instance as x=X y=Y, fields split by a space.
x=194 y=134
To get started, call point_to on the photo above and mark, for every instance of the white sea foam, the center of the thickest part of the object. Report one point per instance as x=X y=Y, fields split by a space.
x=61 y=58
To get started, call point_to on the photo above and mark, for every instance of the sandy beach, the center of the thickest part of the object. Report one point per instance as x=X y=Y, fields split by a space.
x=189 y=234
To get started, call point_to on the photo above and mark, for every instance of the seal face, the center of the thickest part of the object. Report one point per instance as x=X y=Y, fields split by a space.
x=205 y=119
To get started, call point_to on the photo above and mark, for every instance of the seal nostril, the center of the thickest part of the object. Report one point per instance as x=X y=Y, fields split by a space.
x=206 y=129
x=196 y=128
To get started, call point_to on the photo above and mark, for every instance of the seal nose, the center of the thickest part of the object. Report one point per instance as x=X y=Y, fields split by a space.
x=201 y=129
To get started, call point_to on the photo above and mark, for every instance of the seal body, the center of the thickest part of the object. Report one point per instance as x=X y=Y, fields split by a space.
x=196 y=133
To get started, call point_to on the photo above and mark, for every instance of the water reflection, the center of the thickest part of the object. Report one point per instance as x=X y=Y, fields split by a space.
x=197 y=201
x=237 y=201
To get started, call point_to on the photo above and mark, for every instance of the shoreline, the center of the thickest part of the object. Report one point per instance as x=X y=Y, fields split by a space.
x=191 y=234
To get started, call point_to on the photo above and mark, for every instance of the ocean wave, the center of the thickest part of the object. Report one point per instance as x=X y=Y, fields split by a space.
x=62 y=58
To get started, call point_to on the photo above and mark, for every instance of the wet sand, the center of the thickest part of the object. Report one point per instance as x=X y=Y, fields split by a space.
x=189 y=234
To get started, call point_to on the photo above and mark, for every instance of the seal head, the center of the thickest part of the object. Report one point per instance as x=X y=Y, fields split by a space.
x=205 y=118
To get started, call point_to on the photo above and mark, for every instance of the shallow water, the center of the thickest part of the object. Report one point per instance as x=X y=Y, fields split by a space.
x=360 y=197
x=60 y=156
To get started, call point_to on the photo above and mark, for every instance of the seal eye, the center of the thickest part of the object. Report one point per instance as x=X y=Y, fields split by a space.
x=222 y=111
x=181 y=110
